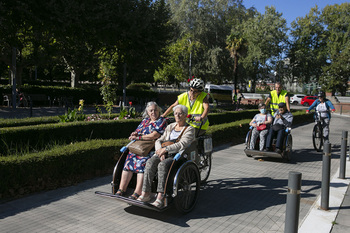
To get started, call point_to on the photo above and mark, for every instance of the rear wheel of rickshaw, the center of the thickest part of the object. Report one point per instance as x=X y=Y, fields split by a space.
x=204 y=166
x=187 y=188
x=247 y=141
x=286 y=154
x=317 y=137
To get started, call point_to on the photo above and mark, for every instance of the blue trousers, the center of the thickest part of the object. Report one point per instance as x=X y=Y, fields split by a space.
x=280 y=136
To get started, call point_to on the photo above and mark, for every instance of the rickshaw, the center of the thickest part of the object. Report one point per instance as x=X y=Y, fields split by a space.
x=189 y=169
x=286 y=151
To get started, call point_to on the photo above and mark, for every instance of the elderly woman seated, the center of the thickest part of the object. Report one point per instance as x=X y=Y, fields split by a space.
x=182 y=135
x=151 y=128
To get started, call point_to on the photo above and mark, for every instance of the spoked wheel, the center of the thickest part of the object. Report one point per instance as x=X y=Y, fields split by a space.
x=204 y=166
x=187 y=188
x=247 y=142
x=287 y=153
x=317 y=137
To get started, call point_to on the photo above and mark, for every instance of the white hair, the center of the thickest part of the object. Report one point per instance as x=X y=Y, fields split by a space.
x=149 y=104
x=183 y=108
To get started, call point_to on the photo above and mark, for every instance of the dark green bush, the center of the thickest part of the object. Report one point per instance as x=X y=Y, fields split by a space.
x=39 y=137
x=58 y=167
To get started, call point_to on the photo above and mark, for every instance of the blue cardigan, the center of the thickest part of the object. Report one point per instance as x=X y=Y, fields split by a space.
x=329 y=105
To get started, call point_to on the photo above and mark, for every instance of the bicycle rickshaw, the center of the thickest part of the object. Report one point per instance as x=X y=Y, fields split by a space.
x=189 y=169
x=286 y=151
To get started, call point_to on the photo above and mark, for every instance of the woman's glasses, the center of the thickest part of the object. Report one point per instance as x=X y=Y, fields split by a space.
x=178 y=113
x=194 y=91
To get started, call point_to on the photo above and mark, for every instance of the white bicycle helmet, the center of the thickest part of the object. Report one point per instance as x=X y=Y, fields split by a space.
x=197 y=83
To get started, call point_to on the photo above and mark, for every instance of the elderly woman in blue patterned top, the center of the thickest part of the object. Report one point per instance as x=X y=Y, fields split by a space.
x=151 y=128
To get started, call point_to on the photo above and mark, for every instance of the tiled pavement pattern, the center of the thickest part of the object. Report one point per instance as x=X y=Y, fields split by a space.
x=242 y=195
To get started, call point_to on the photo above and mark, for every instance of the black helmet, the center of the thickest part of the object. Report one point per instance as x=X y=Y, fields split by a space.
x=321 y=94
x=197 y=84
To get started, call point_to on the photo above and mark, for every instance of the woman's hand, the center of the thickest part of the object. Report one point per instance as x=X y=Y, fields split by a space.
x=198 y=118
x=134 y=134
x=161 y=153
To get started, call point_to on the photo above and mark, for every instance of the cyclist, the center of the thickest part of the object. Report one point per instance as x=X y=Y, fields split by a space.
x=323 y=106
x=197 y=102
x=276 y=97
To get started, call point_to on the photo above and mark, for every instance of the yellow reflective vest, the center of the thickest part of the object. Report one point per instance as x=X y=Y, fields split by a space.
x=196 y=109
x=276 y=99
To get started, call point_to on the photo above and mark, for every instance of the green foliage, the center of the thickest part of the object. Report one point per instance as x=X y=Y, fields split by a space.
x=74 y=115
x=43 y=170
x=139 y=86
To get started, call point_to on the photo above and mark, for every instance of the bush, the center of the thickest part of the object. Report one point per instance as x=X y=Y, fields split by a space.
x=61 y=166
x=39 y=137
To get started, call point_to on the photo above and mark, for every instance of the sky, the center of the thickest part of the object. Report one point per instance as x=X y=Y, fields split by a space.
x=291 y=9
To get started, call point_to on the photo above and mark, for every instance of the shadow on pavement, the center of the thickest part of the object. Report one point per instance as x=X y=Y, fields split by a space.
x=227 y=197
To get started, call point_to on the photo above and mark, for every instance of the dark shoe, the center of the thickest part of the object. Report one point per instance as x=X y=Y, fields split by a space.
x=134 y=196
x=267 y=149
x=120 y=192
x=278 y=151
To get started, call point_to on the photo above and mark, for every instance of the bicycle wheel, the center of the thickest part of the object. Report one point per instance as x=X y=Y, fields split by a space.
x=204 y=166
x=317 y=137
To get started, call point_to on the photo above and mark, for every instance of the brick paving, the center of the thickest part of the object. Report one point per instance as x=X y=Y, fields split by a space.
x=242 y=195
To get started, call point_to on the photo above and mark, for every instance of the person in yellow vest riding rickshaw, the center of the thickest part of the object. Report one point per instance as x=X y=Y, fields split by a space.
x=197 y=102
x=277 y=96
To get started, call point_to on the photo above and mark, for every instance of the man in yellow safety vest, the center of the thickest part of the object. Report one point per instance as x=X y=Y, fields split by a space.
x=277 y=96
x=197 y=102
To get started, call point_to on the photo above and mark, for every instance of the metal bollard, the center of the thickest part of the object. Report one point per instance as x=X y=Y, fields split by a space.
x=326 y=171
x=293 y=203
x=344 y=141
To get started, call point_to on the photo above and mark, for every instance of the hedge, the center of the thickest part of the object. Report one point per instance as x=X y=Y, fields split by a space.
x=38 y=137
x=61 y=166
x=76 y=162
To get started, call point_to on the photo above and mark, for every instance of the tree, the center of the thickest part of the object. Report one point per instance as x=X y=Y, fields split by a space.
x=337 y=24
x=266 y=36
x=307 y=47
x=235 y=44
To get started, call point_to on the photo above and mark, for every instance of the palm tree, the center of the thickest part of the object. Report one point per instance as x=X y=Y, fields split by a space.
x=236 y=44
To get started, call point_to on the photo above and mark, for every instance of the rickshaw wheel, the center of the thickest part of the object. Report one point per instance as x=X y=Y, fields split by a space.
x=187 y=188
x=204 y=166
x=288 y=149
x=247 y=141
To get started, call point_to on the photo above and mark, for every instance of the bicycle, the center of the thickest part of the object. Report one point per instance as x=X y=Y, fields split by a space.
x=317 y=133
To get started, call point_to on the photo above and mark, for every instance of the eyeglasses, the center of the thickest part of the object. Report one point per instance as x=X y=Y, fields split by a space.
x=178 y=113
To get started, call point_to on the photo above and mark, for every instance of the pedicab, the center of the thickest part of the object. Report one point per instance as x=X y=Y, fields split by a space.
x=286 y=151
x=189 y=169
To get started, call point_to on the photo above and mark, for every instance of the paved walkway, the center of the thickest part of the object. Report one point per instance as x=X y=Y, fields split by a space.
x=242 y=195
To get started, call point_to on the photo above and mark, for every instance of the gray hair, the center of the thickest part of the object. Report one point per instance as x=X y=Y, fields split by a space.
x=183 y=108
x=149 y=104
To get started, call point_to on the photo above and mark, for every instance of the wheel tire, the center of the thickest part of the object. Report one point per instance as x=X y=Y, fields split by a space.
x=205 y=166
x=187 y=188
x=287 y=153
x=317 y=137
x=247 y=142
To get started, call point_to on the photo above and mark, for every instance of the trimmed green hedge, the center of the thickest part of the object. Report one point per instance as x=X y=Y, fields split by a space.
x=38 y=137
x=58 y=167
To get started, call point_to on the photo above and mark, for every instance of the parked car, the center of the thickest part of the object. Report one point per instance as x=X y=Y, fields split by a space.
x=296 y=98
x=308 y=100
